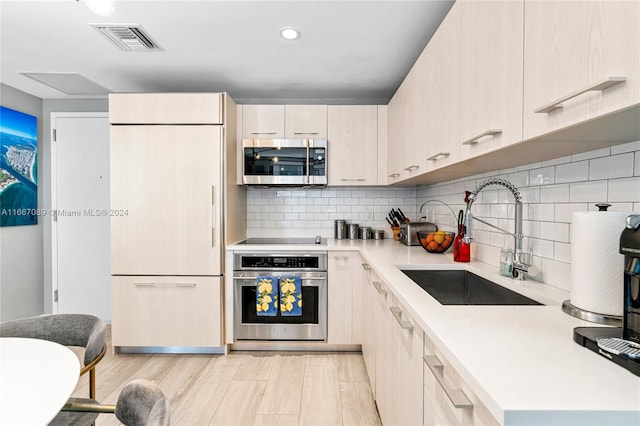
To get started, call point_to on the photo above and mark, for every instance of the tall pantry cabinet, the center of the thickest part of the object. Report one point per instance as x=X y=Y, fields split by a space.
x=170 y=198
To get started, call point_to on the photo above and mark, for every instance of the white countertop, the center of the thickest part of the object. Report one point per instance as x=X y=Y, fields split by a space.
x=516 y=359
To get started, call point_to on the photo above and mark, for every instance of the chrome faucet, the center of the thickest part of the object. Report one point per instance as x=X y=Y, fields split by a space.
x=521 y=264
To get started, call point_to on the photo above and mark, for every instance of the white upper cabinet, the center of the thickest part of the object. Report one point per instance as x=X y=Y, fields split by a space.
x=263 y=121
x=407 y=142
x=353 y=142
x=443 y=93
x=491 y=75
x=581 y=61
x=305 y=121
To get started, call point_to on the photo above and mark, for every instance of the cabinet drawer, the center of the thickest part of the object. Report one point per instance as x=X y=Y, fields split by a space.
x=166 y=108
x=166 y=311
x=445 y=376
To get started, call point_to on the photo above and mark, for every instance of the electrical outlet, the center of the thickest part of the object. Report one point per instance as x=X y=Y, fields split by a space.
x=369 y=214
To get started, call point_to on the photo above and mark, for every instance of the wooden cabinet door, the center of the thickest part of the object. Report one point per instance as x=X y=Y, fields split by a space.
x=368 y=297
x=166 y=311
x=353 y=139
x=166 y=108
x=263 y=121
x=340 y=297
x=491 y=75
x=385 y=369
x=305 y=121
x=407 y=351
x=443 y=93
x=166 y=182
x=572 y=46
x=396 y=136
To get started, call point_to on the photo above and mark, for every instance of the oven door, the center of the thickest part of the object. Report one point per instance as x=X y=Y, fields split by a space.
x=311 y=325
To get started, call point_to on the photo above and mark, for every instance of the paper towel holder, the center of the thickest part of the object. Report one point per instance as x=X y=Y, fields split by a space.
x=595 y=317
x=583 y=314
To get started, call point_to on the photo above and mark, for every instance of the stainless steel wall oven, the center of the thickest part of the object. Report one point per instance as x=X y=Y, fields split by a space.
x=311 y=268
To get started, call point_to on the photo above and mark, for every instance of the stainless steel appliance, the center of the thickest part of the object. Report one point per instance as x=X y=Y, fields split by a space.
x=292 y=162
x=310 y=267
x=409 y=232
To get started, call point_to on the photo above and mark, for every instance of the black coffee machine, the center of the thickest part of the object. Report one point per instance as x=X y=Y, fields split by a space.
x=621 y=345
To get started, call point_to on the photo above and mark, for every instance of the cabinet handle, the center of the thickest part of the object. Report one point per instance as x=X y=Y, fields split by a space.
x=269 y=132
x=381 y=290
x=411 y=168
x=341 y=257
x=213 y=216
x=394 y=175
x=474 y=140
x=305 y=133
x=164 y=284
x=397 y=314
x=599 y=86
x=456 y=396
x=438 y=155
x=366 y=267
x=352 y=179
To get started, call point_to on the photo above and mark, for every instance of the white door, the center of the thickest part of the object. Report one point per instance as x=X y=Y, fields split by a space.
x=80 y=195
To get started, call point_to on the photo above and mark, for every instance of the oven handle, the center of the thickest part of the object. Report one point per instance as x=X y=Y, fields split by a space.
x=302 y=278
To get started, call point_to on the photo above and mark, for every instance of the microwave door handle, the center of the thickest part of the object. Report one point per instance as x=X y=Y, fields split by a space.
x=308 y=162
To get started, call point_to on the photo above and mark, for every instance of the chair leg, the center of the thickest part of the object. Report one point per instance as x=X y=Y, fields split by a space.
x=92 y=383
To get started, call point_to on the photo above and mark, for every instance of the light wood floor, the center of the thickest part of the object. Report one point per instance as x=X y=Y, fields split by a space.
x=246 y=388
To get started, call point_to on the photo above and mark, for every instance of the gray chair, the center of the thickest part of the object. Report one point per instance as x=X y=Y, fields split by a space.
x=80 y=330
x=140 y=403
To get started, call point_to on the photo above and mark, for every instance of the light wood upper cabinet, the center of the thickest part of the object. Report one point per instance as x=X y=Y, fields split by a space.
x=353 y=139
x=305 y=121
x=570 y=47
x=443 y=93
x=491 y=75
x=408 y=125
x=263 y=121
x=166 y=181
x=166 y=108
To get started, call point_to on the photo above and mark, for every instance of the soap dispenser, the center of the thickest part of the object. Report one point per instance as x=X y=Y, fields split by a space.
x=506 y=261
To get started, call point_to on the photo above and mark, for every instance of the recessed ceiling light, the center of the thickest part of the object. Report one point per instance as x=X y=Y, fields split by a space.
x=289 y=33
x=101 y=7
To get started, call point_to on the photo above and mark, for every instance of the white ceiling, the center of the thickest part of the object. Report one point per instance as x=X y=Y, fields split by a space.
x=349 y=52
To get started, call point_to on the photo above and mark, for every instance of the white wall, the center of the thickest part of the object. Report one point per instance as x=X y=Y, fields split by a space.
x=308 y=212
x=551 y=191
x=21 y=246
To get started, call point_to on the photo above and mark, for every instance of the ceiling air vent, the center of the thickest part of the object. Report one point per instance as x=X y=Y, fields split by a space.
x=127 y=37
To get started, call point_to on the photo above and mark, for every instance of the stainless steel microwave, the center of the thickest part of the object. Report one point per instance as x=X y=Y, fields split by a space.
x=293 y=162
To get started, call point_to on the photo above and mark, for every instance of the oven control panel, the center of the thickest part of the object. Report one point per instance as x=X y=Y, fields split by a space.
x=280 y=261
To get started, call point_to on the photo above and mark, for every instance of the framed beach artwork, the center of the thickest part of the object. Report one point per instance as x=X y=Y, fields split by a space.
x=18 y=168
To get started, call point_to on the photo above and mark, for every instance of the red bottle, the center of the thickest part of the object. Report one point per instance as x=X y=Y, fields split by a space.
x=461 y=250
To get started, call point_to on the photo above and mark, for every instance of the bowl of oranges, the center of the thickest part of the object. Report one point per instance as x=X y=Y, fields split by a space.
x=436 y=242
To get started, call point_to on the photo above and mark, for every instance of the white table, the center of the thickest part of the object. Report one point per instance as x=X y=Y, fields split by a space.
x=36 y=379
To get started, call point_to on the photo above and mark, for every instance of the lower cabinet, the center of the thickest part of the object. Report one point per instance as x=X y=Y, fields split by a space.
x=343 y=288
x=368 y=318
x=166 y=311
x=447 y=398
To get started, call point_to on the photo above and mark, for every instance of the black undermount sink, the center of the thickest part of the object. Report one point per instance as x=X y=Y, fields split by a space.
x=460 y=287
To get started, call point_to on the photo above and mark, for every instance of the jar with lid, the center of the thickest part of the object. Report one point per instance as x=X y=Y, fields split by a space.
x=506 y=261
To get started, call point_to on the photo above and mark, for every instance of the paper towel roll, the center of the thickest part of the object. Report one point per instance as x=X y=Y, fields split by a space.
x=596 y=266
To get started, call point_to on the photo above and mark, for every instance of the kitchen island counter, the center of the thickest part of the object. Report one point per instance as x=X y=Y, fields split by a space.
x=520 y=361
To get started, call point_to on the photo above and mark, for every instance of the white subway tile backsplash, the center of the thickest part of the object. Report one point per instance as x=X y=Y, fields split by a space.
x=555 y=161
x=604 y=152
x=572 y=172
x=554 y=231
x=636 y=171
x=542 y=176
x=519 y=178
x=624 y=190
x=564 y=212
x=562 y=252
x=540 y=212
x=626 y=147
x=588 y=191
x=554 y=194
x=612 y=167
